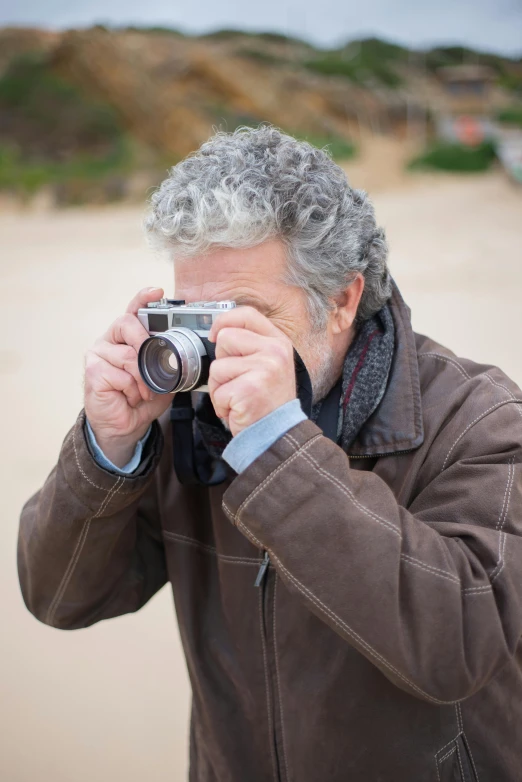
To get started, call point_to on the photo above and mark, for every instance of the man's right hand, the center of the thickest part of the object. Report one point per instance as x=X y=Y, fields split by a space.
x=118 y=404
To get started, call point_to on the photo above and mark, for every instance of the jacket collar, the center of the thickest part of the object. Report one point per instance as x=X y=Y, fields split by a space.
x=396 y=425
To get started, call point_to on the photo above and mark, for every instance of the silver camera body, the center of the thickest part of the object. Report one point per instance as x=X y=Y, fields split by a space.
x=177 y=355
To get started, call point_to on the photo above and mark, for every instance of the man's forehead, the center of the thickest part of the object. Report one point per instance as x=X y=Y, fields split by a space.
x=248 y=275
x=268 y=256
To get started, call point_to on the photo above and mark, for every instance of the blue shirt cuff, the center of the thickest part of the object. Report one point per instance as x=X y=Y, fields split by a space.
x=102 y=460
x=246 y=446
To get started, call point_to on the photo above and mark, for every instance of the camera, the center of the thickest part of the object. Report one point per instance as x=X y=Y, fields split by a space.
x=177 y=355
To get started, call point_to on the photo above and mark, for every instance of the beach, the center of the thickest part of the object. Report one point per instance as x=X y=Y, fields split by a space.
x=112 y=702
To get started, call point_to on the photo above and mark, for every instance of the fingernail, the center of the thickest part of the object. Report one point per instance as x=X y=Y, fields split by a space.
x=154 y=288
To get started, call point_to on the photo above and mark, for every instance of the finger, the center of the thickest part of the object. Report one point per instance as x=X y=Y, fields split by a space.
x=240 y=342
x=127 y=330
x=220 y=398
x=244 y=318
x=124 y=357
x=235 y=395
x=105 y=377
x=225 y=369
x=142 y=298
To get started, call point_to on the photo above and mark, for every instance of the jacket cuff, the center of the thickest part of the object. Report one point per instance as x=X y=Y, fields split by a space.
x=258 y=475
x=106 y=463
x=88 y=480
x=249 y=444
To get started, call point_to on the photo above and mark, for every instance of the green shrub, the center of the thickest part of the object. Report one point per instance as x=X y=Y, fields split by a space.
x=511 y=81
x=455 y=157
x=47 y=117
x=51 y=133
x=511 y=116
x=230 y=34
x=363 y=62
x=154 y=30
x=261 y=56
x=24 y=176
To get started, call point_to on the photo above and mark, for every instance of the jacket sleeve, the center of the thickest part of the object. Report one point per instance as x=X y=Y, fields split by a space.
x=89 y=544
x=430 y=594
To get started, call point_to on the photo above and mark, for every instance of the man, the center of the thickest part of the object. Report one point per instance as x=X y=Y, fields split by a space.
x=382 y=641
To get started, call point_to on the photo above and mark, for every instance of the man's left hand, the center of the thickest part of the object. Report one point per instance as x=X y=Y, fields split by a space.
x=253 y=372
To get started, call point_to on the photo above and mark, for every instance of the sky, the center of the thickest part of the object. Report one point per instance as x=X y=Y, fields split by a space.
x=489 y=25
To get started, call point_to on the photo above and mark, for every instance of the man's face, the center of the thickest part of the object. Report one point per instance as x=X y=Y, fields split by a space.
x=255 y=277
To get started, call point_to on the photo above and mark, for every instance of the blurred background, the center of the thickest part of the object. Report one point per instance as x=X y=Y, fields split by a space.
x=422 y=106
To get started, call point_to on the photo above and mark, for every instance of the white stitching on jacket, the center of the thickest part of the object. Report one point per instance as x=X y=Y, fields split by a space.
x=447 y=754
x=458 y=713
x=268 y=700
x=448 y=359
x=340 y=623
x=345 y=490
x=502 y=537
x=279 y=684
x=449 y=742
x=482 y=415
x=77 y=552
x=430 y=569
x=86 y=477
x=184 y=540
x=471 y=758
x=458 y=365
x=102 y=488
x=412 y=560
x=503 y=515
x=273 y=474
x=512 y=396
x=460 y=761
x=461 y=728
x=335 y=619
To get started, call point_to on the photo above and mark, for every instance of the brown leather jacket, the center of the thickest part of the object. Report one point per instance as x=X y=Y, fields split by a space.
x=384 y=641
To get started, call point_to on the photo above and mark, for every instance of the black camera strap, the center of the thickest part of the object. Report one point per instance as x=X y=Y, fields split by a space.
x=181 y=417
x=194 y=466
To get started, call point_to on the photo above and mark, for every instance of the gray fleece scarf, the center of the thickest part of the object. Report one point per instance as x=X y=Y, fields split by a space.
x=365 y=375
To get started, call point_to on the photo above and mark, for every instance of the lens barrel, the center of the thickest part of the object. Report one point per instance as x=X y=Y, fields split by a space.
x=174 y=360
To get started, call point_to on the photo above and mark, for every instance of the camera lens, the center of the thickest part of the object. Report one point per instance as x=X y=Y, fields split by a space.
x=160 y=365
x=175 y=360
x=168 y=360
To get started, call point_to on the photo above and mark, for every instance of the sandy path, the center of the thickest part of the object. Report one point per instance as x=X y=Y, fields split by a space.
x=111 y=702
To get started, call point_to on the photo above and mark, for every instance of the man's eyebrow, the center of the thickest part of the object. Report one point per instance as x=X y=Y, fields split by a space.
x=251 y=301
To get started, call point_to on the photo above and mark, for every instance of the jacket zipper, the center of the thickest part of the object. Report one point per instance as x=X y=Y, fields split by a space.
x=262 y=570
x=262 y=582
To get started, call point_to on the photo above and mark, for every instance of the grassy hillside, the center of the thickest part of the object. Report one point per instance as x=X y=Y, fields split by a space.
x=83 y=111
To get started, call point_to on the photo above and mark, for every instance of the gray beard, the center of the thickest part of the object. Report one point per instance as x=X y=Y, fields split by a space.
x=323 y=379
x=321 y=365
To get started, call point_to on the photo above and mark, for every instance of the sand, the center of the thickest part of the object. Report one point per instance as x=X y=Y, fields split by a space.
x=111 y=702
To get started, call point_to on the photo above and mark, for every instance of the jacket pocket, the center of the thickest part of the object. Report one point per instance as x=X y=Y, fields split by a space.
x=454 y=762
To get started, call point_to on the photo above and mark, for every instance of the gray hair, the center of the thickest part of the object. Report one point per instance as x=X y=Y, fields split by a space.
x=242 y=188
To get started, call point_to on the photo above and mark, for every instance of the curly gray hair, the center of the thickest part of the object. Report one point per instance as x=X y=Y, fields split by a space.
x=242 y=188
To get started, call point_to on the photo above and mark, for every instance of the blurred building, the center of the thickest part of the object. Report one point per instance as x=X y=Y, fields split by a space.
x=466 y=104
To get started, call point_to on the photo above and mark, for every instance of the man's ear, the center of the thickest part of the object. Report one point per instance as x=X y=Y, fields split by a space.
x=346 y=305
